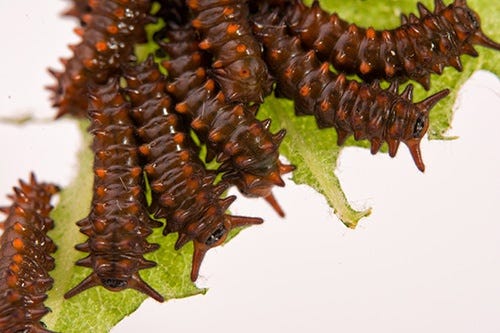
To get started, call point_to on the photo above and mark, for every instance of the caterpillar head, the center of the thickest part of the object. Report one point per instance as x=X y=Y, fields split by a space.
x=467 y=26
x=216 y=236
x=417 y=125
x=115 y=276
x=211 y=231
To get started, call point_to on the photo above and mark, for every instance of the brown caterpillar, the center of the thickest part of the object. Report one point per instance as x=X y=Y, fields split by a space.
x=25 y=258
x=367 y=111
x=420 y=46
x=237 y=66
x=248 y=152
x=175 y=13
x=179 y=40
x=108 y=37
x=78 y=9
x=183 y=190
x=118 y=223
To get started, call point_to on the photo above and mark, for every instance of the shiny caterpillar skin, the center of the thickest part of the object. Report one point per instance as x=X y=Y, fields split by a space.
x=179 y=40
x=78 y=10
x=25 y=258
x=175 y=14
x=245 y=147
x=420 y=46
x=367 y=111
x=108 y=37
x=118 y=223
x=183 y=190
x=237 y=65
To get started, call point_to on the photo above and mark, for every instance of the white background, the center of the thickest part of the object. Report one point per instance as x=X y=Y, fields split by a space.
x=426 y=260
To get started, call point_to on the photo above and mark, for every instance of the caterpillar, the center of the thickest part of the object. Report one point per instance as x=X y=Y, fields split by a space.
x=233 y=136
x=108 y=37
x=420 y=46
x=367 y=111
x=179 y=40
x=175 y=13
x=25 y=257
x=118 y=223
x=183 y=190
x=237 y=66
x=178 y=28
x=78 y=9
